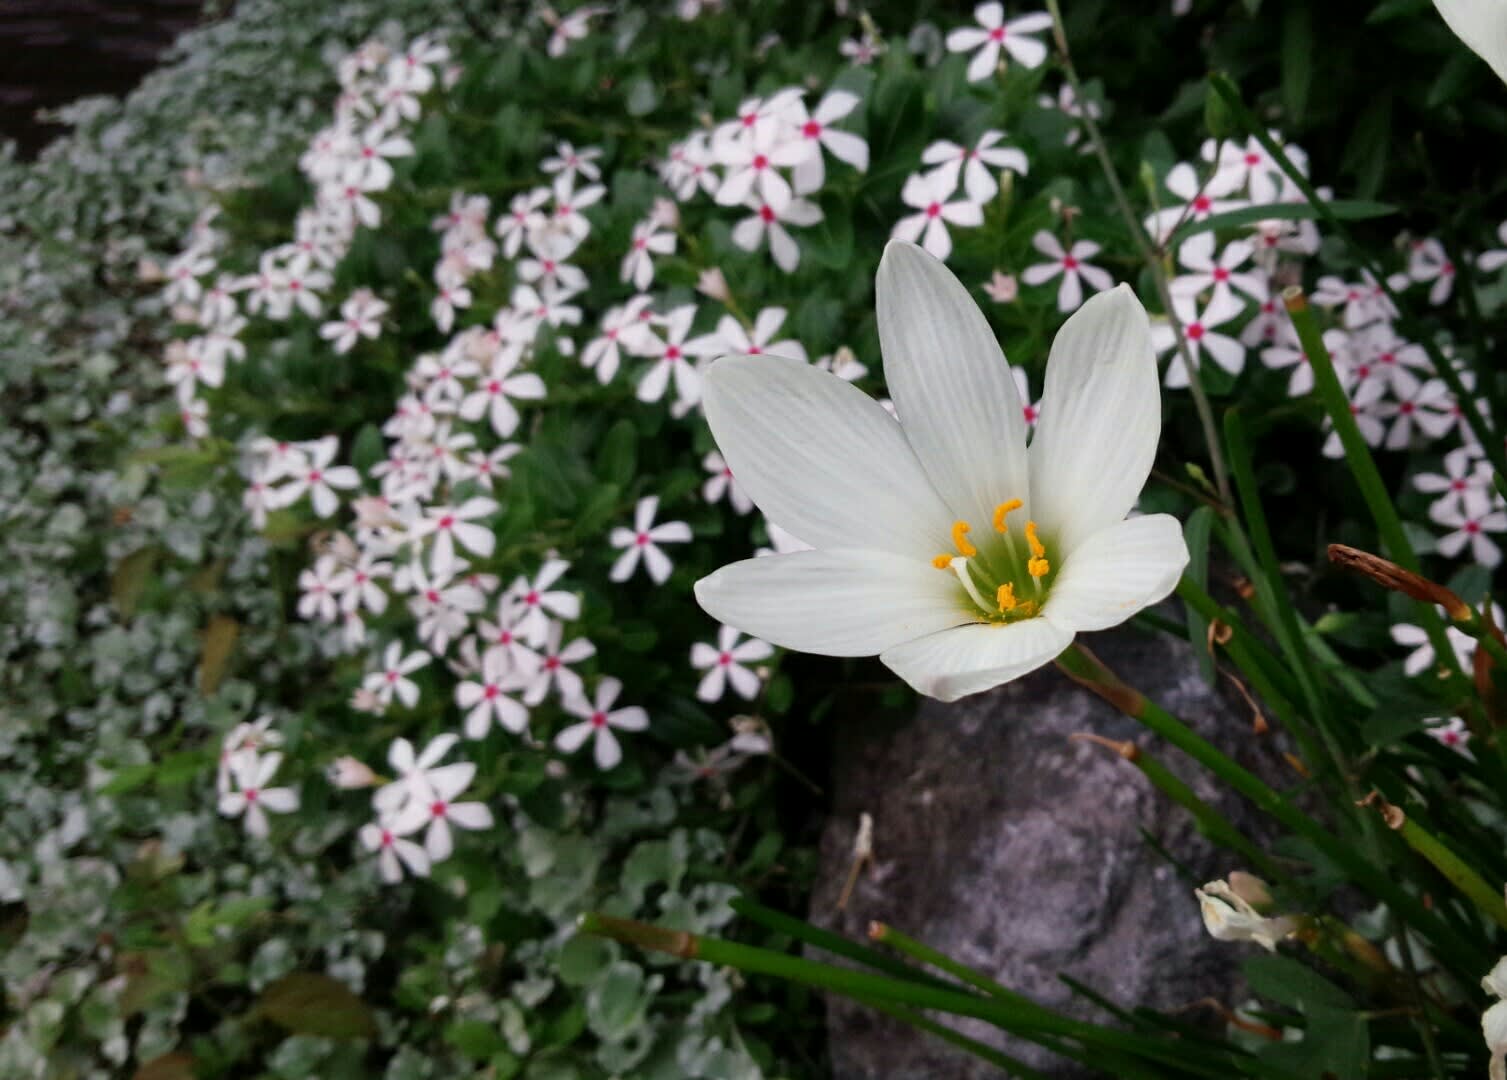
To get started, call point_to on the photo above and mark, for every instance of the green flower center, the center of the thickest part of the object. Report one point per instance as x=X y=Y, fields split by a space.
x=1006 y=575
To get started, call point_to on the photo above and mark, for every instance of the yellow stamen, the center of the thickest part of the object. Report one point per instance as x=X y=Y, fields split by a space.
x=960 y=539
x=1038 y=568
x=942 y=561
x=1038 y=549
x=1001 y=510
x=1005 y=597
x=1027 y=608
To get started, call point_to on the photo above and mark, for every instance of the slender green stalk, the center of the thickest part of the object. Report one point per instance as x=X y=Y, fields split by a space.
x=1491 y=444
x=1460 y=954
x=835 y=944
x=1362 y=464
x=1028 y=1021
x=998 y=1059
x=1269 y=573
x=1456 y=870
x=885 y=934
x=1211 y=822
x=1149 y=254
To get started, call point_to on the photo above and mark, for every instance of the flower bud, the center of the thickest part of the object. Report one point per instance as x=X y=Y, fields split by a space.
x=712 y=283
x=666 y=213
x=348 y=773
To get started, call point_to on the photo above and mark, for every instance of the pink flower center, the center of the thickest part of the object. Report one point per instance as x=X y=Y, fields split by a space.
x=933 y=209
x=552 y=664
x=252 y=794
x=811 y=129
x=505 y=637
x=386 y=838
x=315 y=476
x=766 y=214
x=1253 y=159
x=1472 y=527
x=1069 y=263
x=494 y=387
x=672 y=353
x=997 y=34
x=1221 y=274
x=432 y=596
x=725 y=659
x=598 y=719
x=760 y=162
x=1202 y=204
x=639 y=243
x=1029 y=412
x=1457 y=485
x=489 y=692
x=447 y=521
x=437 y=808
x=642 y=539
x=392 y=676
x=1195 y=331
x=1406 y=408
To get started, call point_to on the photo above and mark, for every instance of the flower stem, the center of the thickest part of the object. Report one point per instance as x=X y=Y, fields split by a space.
x=1455 y=870
x=1027 y=1020
x=1362 y=464
x=1150 y=255
x=1454 y=950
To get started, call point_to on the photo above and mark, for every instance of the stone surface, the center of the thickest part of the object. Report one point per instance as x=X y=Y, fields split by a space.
x=1006 y=845
x=53 y=51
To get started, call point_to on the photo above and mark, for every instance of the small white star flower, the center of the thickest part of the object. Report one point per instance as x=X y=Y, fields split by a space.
x=725 y=663
x=598 y=720
x=643 y=540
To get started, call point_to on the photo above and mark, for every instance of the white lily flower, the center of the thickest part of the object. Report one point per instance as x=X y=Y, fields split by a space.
x=1494 y=1019
x=1051 y=552
x=1482 y=25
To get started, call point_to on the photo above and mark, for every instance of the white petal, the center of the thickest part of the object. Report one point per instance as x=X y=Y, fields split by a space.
x=1481 y=24
x=835 y=603
x=967 y=659
x=606 y=750
x=570 y=739
x=821 y=458
x=951 y=385
x=470 y=815
x=1101 y=418
x=1117 y=572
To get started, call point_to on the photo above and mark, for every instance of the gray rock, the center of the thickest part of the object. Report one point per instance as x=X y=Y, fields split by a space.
x=1005 y=845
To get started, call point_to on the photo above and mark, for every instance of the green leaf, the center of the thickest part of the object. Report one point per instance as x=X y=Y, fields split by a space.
x=368 y=448
x=643 y=96
x=310 y=1003
x=219 y=641
x=617 y=456
x=1196 y=532
x=1290 y=983
x=129 y=580
x=1297 y=60
x=1344 y=209
x=476 y=1039
x=616 y=1005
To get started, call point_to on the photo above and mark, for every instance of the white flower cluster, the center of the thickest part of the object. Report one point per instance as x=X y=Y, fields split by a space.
x=768 y=160
x=348 y=162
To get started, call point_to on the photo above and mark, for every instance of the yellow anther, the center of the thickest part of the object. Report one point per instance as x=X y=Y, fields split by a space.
x=1027 y=608
x=960 y=540
x=1038 y=549
x=1038 y=568
x=1001 y=510
x=1005 y=597
x=942 y=561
